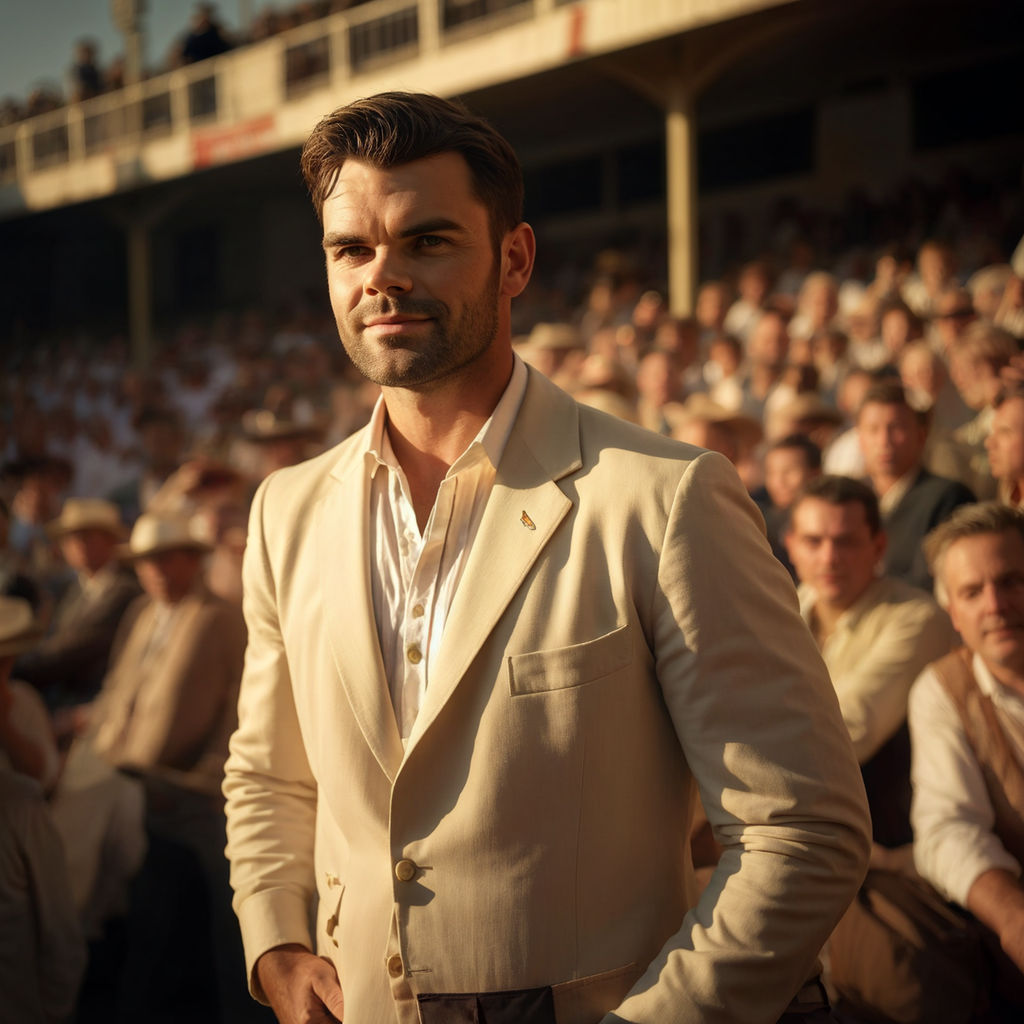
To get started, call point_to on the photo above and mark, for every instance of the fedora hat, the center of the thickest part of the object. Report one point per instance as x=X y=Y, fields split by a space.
x=152 y=534
x=19 y=630
x=87 y=514
x=260 y=426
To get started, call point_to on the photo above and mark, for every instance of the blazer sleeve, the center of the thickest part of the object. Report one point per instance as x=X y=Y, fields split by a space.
x=269 y=788
x=759 y=723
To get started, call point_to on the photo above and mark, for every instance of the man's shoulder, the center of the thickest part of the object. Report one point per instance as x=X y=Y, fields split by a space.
x=890 y=593
x=930 y=487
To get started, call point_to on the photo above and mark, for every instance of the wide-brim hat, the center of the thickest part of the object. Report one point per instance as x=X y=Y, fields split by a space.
x=548 y=337
x=19 y=630
x=153 y=534
x=87 y=514
x=260 y=426
x=700 y=406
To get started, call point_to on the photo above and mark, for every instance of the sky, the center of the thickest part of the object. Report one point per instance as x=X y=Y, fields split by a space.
x=38 y=36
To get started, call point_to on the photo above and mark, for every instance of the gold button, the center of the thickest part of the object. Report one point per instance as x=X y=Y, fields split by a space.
x=405 y=870
x=417 y=611
x=395 y=967
x=415 y=655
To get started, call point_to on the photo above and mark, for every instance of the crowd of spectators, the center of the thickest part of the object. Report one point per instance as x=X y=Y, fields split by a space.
x=857 y=400
x=205 y=37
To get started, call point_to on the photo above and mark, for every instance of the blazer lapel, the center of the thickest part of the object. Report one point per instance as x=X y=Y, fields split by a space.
x=524 y=509
x=342 y=527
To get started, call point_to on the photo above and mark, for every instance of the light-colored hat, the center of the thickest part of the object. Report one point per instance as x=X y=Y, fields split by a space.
x=19 y=630
x=152 y=534
x=555 y=338
x=87 y=514
x=700 y=406
x=264 y=425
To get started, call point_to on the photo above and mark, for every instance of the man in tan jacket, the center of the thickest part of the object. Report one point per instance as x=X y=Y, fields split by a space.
x=497 y=641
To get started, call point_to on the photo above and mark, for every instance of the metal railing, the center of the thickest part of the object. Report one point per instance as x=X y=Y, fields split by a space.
x=310 y=56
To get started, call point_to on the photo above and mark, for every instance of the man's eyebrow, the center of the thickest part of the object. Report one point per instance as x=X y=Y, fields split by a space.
x=336 y=240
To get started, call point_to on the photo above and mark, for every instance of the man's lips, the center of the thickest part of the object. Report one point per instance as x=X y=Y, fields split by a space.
x=394 y=325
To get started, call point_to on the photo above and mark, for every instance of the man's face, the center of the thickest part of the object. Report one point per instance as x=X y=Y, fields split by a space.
x=891 y=439
x=833 y=549
x=785 y=473
x=413 y=277
x=88 y=550
x=1005 y=443
x=983 y=577
x=769 y=341
x=167 y=576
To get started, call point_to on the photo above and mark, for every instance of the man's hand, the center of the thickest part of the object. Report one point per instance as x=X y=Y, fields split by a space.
x=996 y=899
x=302 y=988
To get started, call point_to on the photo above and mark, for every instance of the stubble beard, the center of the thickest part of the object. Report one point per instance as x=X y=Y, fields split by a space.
x=443 y=352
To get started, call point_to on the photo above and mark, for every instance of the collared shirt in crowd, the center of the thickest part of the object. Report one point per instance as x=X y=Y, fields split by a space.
x=952 y=815
x=415 y=576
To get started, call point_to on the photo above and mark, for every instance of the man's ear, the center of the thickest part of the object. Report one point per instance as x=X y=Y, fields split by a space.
x=518 y=249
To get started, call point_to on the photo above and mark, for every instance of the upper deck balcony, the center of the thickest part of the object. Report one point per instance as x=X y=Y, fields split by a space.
x=266 y=97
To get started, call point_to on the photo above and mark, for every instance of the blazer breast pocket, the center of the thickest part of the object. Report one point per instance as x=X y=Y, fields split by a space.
x=562 y=668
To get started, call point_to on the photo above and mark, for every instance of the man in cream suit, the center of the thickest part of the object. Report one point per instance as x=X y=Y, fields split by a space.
x=497 y=641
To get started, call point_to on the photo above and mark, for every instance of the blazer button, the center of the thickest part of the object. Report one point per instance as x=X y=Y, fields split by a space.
x=414 y=654
x=395 y=967
x=405 y=870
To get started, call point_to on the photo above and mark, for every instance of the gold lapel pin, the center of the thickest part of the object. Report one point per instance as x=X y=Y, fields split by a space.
x=527 y=521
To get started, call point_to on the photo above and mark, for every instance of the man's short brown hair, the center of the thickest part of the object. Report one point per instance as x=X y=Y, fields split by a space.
x=842 y=490
x=394 y=128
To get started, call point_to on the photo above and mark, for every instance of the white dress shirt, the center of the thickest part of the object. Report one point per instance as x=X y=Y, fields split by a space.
x=952 y=815
x=415 y=576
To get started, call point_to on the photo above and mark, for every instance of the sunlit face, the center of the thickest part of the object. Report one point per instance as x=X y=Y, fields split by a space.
x=983 y=577
x=1005 y=443
x=785 y=473
x=833 y=549
x=167 y=576
x=414 y=281
x=891 y=439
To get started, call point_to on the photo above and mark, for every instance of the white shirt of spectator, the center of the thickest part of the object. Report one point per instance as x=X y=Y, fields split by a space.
x=414 y=576
x=951 y=813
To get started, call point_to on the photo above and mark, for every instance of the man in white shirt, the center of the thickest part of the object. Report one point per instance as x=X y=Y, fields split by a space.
x=967 y=728
x=875 y=633
x=496 y=639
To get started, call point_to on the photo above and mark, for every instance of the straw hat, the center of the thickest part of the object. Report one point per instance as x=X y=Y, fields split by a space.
x=700 y=406
x=152 y=534
x=263 y=425
x=87 y=514
x=555 y=338
x=18 y=628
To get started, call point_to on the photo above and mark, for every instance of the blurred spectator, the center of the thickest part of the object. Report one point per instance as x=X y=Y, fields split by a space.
x=1005 y=446
x=163 y=443
x=69 y=664
x=912 y=500
x=875 y=633
x=767 y=348
x=43 y=952
x=935 y=266
x=27 y=743
x=967 y=728
x=86 y=79
x=206 y=37
x=755 y=284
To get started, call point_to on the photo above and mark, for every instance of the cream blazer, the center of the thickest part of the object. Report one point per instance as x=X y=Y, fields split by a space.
x=621 y=635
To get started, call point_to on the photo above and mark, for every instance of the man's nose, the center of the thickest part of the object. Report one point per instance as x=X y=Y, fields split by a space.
x=386 y=275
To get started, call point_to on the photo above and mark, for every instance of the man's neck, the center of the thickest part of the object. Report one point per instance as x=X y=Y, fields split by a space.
x=825 y=617
x=430 y=429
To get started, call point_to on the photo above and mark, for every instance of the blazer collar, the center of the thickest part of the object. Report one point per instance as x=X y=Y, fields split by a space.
x=524 y=509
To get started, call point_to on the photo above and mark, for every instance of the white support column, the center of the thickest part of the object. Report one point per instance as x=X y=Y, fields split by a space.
x=681 y=194
x=429 y=26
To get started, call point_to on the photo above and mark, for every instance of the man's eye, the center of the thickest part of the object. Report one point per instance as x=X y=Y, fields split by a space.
x=348 y=253
x=429 y=241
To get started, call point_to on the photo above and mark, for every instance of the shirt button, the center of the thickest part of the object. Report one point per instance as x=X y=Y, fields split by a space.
x=417 y=611
x=395 y=967
x=414 y=654
x=405 y=870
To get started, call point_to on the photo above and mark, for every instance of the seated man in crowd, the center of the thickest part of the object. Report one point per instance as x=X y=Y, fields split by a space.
x=967 y=728
x=911 y=499
x=1005 y=446
x=164 y=716
x=70 y=663
x=875 y=633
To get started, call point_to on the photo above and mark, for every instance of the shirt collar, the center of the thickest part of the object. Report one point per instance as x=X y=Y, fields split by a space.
x=489 y=442
x=851 y=616
x=991 y=687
